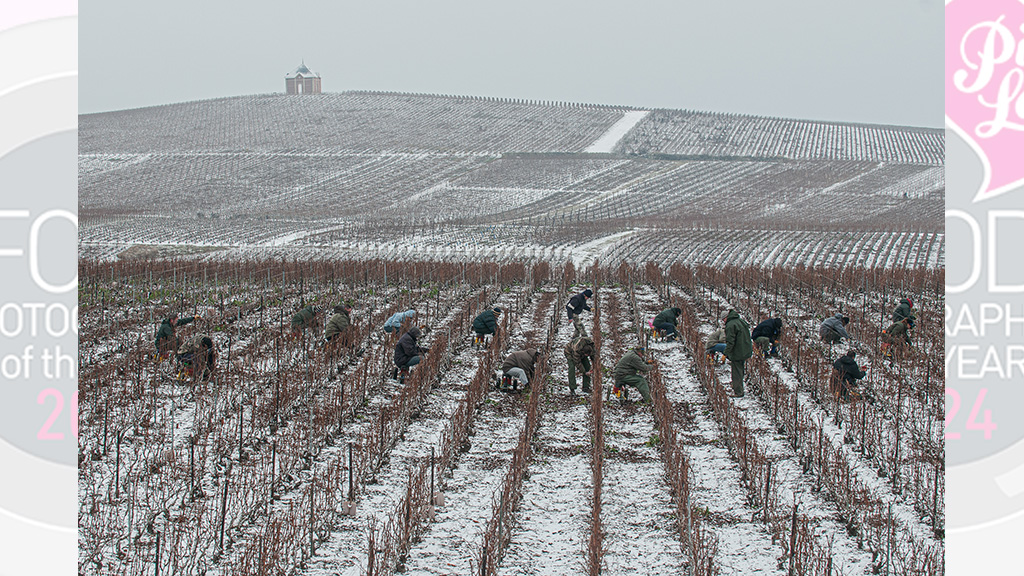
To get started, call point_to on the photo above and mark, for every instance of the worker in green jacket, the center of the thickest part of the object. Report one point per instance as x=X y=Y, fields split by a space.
x=896 y=337
x=905 y=309
x=738 y=347
x=667 y=321
x=487 y=321
x=167 y=342
x=304 y=319
x=629 y=372
x=580 y=352
x=338 y=323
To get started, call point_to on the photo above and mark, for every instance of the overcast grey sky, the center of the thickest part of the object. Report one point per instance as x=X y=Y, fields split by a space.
x=877 y=61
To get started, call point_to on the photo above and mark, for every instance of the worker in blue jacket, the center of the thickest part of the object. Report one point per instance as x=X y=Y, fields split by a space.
x=397 y=320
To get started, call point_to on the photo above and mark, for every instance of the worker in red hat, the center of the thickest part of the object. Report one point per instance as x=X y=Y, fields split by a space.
x=905 y=310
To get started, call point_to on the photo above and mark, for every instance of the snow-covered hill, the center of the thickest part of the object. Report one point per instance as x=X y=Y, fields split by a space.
x=449 y=176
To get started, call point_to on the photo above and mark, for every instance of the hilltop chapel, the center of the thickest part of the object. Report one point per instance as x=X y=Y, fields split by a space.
x=302 y=80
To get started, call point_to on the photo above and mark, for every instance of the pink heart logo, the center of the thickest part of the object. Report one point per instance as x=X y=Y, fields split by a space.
x=985 y=87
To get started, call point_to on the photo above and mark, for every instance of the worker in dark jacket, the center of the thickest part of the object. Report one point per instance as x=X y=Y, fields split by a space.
x=848 y=373
x=407 y=352
x=629 y=372
x=167 y=342
x=487 y=322
x=577 y=304
x=303 y=319
x=198 y=357
x=519 y=365
x=905 y=309
x=738 y=347
x=339 y=323
x=667 y=321
x=766 y=334
x=580 y=353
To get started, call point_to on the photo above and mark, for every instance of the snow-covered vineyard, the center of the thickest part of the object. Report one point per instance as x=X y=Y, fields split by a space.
x=407 y=176
x=303 y=459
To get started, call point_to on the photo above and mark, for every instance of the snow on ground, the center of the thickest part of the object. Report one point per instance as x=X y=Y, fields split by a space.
x=347 y=546
x=745 y=547
x=443 y=185
x=585 y=254
x=554 y=515
x=637 y=510
x=451 y=543
x=553 y=519
x=346 y=549
x=828 y=189
x=608 y=140
x=866 y=469
x=285 y=239
x=638 y=513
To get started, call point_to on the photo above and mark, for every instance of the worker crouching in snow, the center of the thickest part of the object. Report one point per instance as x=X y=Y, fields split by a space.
x=198 y=358
x=517 y=369
x=408 y=352
x=629 y=372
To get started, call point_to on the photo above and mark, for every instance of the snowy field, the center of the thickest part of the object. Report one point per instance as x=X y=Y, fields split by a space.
x=250 y=473
x=300 y=458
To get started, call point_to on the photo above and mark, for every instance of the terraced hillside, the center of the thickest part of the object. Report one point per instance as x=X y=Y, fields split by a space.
x=363 y=174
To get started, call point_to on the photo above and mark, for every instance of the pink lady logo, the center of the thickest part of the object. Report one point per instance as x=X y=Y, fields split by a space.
x=985 y=86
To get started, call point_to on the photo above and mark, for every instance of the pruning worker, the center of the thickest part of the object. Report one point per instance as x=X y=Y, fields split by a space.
x=303 y=319
x=833 y=329
x=848 y=373
x=398 y=320
x=487 y=322
x=518 y=366
x=197 y=357
x=629 y=372
x=408 y=352
x=715 y=343
x=167 y=342
x=766 y=334
x=339 y=322
x=738 y=347
x=896 y=336
x=576 y=305
x=580 y=353
x=905 y=309
x=667 y=321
